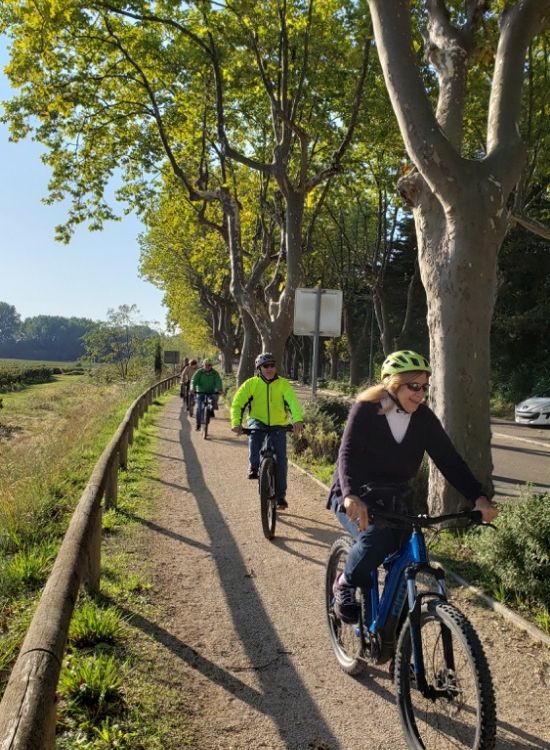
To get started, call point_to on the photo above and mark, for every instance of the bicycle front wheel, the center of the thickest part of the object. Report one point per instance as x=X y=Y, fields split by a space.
x=347 y=641
x=206 y=422
x=267 y=497
x=461 y=712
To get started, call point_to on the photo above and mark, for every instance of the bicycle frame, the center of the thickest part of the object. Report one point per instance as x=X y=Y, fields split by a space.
x=384 y=614
x=267 y=449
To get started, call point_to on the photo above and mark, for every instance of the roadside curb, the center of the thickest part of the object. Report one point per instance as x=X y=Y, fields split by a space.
x=536 y=633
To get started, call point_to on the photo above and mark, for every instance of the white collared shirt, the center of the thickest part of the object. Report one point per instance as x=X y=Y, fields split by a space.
x=398 y=419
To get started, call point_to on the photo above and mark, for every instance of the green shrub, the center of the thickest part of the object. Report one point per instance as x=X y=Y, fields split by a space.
x=13 y=377
x=341 y=386
x=324 y=423
x=517 y=556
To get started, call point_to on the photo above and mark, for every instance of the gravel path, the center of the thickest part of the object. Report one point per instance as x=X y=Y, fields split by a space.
x=243 y=622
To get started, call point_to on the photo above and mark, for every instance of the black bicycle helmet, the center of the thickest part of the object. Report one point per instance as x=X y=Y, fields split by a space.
x=265 y=358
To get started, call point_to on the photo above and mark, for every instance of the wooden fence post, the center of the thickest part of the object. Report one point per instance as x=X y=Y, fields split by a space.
x=111 y=488
x=91 y=572
x=123 y=450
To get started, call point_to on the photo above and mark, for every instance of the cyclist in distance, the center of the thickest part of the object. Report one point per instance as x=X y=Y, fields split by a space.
x=270 y=400
x=206 y=382
x=388 y=430
x=189 y=369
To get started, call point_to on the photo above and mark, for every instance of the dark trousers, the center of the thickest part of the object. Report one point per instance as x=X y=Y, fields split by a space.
x=201 y=400
x=278 y=438
x=370 y=549
x=371 y=546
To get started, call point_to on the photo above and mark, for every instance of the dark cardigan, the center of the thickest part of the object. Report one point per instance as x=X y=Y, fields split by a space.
x=370 y=454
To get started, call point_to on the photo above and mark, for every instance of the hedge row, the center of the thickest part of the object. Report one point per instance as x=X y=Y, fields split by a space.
x=14 y=377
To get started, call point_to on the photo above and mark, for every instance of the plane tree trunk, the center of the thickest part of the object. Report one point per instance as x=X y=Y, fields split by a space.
x=459 y=204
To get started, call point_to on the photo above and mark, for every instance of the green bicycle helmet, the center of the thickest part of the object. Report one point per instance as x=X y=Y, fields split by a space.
x=405 y=361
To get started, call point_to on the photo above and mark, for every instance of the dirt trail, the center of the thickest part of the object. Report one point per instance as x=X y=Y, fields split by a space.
x=242 y=620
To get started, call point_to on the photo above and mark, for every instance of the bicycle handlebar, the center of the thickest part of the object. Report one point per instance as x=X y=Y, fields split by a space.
x=267 y=428
x=474 y=516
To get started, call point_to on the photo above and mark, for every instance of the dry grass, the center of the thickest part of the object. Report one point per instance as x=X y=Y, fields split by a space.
x=50 y=433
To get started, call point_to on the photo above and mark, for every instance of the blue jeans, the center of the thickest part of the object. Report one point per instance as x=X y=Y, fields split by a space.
x=201 y=400
x=278 y=438
x=371 y=547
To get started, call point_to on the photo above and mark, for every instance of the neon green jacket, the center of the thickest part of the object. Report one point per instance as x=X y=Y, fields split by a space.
x=269 y=401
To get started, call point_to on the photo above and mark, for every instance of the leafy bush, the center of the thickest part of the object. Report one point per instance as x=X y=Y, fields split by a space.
x=14 y=377
x=518 y=555
x=340 y=386
x=335 y=409
x=324 y=423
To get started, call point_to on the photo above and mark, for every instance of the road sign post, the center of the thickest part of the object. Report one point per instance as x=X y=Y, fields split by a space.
x=317 y=312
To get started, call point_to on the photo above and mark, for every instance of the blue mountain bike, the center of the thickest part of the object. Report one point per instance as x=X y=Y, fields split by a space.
x=443 y=685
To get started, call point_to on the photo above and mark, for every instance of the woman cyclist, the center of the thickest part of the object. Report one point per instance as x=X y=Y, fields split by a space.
x=389 y=429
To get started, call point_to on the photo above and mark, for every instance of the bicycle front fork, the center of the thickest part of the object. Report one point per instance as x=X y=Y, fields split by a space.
x=415 y=600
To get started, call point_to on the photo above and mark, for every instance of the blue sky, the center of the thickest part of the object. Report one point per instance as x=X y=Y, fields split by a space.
x=39 y=276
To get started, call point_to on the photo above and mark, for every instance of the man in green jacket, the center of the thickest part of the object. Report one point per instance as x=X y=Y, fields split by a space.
x=205 y=382
x=270 y=400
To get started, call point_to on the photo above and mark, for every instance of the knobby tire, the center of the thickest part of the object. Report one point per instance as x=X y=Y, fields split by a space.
x=465 y=716
x=267 y=497
x=347 y=644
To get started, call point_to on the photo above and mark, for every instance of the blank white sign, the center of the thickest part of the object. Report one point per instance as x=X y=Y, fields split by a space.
x=305 y=303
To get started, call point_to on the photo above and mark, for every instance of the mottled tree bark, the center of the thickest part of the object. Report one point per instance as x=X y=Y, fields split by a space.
x=459 y=205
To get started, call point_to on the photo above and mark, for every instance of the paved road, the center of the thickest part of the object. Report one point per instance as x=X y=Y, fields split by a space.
x=521 y=454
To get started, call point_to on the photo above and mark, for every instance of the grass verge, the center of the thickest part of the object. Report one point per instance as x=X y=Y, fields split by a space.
x=111 y=689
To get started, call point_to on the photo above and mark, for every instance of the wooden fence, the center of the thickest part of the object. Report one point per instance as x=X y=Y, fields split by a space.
x=28 y=707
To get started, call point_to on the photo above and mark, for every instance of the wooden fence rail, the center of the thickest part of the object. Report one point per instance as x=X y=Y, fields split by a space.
x=28 y=707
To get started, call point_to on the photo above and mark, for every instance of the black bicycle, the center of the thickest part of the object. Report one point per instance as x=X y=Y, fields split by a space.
x=190 y=402
x=442 y=680
x=267 y=477
x=207 y=414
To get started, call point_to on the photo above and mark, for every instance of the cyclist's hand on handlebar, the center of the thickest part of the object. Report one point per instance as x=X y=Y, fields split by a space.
x=488 y=511
x=357 y=511
x=237 y=429
x=297 y=428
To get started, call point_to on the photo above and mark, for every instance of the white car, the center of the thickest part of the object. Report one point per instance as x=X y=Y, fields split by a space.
x=534 y=410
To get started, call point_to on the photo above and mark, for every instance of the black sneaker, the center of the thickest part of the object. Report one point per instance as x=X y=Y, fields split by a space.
x=197 y=427
x=346 y=606
x=252 y=474
x=282 y=503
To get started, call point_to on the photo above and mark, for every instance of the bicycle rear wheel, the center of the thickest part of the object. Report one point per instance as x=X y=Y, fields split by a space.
x=206 y=422
x=267 y=497
x=463 y=715
x=346 y=640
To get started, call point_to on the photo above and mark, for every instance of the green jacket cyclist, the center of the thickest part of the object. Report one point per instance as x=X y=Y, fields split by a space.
x=205 y=382
x=270 y=401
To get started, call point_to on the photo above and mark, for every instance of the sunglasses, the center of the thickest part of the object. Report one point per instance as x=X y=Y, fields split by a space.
x=418 y=387
x=269 y=366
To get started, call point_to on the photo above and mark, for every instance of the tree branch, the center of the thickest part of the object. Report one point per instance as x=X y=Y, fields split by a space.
x=518 y=25
x=532 y=225
x=424 y=140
